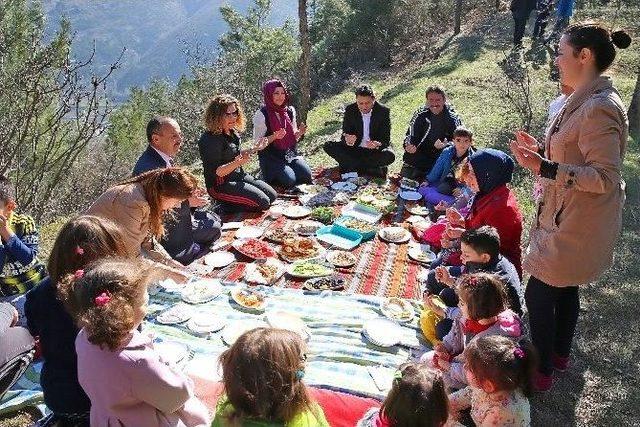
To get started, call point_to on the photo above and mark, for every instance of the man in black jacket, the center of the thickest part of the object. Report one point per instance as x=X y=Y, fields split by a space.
x=366 y=136
x=430 y=127
x=188 y=235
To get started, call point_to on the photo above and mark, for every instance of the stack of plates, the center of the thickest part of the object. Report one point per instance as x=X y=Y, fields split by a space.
x=205 y=323
x=382 y=332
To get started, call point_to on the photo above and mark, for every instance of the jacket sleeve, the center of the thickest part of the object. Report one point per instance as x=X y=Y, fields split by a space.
x=599 y=141
x=385 y=137
x=414 y=130
x=210 y=152
x=32 y=312
x=159 y=385
x=25 y=248
x=438 y=169
x=347 y=122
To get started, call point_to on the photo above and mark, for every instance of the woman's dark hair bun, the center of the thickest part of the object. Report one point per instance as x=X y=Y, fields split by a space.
x=621 y=39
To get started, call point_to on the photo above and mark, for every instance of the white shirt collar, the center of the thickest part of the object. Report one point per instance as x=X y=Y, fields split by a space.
x=168 y=160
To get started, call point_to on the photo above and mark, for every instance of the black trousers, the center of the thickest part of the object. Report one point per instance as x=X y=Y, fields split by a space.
x=241 y=193
x=542 y=19
x=553 y=315
x=358 y=159
x=520 y=25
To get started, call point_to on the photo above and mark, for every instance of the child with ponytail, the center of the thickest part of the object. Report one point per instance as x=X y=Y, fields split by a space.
x=126 y=380
x=499 y=372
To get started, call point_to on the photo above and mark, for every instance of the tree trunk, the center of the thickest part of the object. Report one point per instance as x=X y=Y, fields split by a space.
x=458 y=17
x=634 y=111
x=305 y=59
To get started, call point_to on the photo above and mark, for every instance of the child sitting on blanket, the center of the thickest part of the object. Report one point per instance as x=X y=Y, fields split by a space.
x=262 y=374
x=417 y=398
x=499 y=372
x=480 y=251
x=81 y=241
x=127 y=382
x=481 y=312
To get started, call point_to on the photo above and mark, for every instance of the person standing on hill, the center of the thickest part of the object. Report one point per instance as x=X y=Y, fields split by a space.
x=430 y=127
x=520 y=9
x=191 y=232
x=366 y=137
x=580 y=214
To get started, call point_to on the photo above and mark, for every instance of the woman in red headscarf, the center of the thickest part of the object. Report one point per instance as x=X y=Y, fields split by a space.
x=280 y=162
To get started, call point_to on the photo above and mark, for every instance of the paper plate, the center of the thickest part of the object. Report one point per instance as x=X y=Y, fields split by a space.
x=232 y=225
x=205 y=323
x=171 y=352
x=410 y=195
x=344 y=186
x=242 y=297
x=421 y=253
x=233 y=330
x=288 y=321
x=296 y=212
x=249 y=232
x=201 y=291
x=259 y=249
x=177 y=314
x=253 y=273
x=341 y=259
x=219 y=259
x=382 y=332
x=397 y=309
x=417 y=210
x=394 y=234
x=170 y=285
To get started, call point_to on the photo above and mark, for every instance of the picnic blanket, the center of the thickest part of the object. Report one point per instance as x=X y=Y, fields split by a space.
x=339 y=357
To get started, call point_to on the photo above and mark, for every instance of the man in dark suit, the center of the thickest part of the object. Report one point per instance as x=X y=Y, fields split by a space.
x=188 y=235
x=366 y=136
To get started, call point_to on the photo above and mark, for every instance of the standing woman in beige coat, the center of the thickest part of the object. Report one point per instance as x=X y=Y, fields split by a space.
x=580 y=214
x=138 y=207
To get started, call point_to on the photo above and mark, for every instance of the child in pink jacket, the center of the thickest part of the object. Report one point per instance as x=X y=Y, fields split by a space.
x=126 y=380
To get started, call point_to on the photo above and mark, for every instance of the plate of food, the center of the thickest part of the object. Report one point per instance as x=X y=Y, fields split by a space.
x=253 y=248
x=249 y=299
x=330 y=283
x=382 y=332
x=201 y=291
x=249 y=232
x=277 y=235
x=233 y=330
x=300 y=248
x=312 y=188
x=330 y=198
x=417 y=219
x=377 y=204
x=394 y=234
x=421 y=253
x=219 y=259
x=397 y=309
x=265 y=272
x=178 y=313
x=358 y=180
x=288 y=321
x=325 y=182
x=410 y=195
x=349 y=187
x=307 y=270
x=205 y=323
x=295 y=212
x=171 y=352
x=307 y=228
x=409 y=184
x=341 y=259
x=324 y=214
x=416 y=209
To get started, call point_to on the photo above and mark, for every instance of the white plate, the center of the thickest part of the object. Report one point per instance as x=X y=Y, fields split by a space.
x=312 y=188
x=253 y=275
x=331 y=257
x=344 y=186
x=232 y=225
x=301 y=224
x=382 y=332
x=200 y=269
x=296 y=212
x=171 y=352
x=321 y=251
x=383 y=233
x=417 y=219
x=410 y=195
x=233 y=330
x=236 y=297
x=393 y=308
x=292 y=273
x=219 y=259
x=201 y=291
x=421 y=253
x=288 y=321
x=170 y=285
x=177 y=314
x=249 y=232
x=205 y=323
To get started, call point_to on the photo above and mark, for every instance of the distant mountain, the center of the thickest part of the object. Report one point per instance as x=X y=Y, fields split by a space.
x=155 y=33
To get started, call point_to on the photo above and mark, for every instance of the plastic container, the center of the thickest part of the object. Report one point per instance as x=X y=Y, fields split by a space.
x=365 y=236
x=339 y=236
x=362 y=212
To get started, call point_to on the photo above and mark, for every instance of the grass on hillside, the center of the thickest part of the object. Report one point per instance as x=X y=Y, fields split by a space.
x=601 y=388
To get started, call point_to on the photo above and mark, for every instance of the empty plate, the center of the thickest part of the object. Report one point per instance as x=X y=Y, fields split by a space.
x=249 y=232
x=219 y=259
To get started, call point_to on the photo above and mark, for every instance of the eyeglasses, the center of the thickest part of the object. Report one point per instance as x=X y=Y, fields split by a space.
x=233 y=113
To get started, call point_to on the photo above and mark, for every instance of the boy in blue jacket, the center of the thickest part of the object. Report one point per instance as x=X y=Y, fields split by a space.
x=20 y=268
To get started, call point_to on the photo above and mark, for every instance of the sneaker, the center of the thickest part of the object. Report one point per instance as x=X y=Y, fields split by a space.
x=560 y=364
x=542 y=382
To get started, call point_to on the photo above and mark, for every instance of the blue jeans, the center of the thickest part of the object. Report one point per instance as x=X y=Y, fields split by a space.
x=284 y=173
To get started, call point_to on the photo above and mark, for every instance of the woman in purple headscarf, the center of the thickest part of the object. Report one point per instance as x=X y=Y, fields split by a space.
x=280 y=162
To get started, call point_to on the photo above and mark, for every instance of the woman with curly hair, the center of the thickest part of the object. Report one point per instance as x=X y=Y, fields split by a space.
x=222 y=159
x=126 y=380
